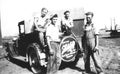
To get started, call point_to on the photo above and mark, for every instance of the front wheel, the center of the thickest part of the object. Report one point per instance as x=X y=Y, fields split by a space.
x=10 y=51
x=34 y=61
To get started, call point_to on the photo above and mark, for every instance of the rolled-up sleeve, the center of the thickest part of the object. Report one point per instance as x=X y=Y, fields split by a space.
x=48 y=31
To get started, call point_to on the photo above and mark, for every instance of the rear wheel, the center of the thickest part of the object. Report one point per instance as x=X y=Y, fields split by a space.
x=34 y=61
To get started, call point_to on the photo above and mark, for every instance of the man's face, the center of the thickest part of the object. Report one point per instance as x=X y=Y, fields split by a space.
x=89 y=18
x=54 y=20
x=44 y=12
x=67 y=14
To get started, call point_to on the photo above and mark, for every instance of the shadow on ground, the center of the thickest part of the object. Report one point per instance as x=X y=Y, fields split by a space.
x=20 y=63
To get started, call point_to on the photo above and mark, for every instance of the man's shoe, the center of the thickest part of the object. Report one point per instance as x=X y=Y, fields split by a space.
x=86 y=73
x=101 y=73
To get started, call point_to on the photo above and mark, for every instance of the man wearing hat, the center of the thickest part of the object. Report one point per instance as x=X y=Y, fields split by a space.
x=90 y=45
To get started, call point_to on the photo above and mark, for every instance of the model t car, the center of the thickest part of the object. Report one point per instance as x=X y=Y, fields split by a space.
x=29 y=47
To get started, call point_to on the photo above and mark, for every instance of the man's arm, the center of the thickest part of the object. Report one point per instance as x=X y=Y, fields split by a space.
x=71 y=23
x=37 y=25
x=81 y=44
x=47 y=23
x=96 y=41
x=40 y=28
x=96 y=37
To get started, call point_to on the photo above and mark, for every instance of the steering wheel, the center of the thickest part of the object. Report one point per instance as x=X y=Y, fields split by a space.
x=66 y=30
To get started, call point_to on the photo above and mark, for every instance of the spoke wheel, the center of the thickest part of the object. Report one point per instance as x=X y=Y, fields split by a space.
x=34 y=63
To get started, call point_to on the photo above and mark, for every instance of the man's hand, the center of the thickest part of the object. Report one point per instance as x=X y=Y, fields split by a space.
x=41 y=29
x=96 y=48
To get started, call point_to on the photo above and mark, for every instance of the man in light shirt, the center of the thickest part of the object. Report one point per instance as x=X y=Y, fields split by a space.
x=40 y=24
x=53 y=30
x=53 y=39
x=67 y=20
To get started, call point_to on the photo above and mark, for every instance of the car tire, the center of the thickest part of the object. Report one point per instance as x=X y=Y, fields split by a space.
x=9 y=52
x=34 y=60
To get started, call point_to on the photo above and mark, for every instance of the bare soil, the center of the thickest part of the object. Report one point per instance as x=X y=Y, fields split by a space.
x=109 y=54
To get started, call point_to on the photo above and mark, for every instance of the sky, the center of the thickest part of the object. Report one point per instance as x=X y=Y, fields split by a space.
x=13 y=11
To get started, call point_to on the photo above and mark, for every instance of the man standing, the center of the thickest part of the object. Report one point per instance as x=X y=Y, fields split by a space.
x=53 y=39
x=90 y=45
x=67 y=22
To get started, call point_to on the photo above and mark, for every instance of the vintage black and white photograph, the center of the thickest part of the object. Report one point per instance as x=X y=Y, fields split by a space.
x=59 y=37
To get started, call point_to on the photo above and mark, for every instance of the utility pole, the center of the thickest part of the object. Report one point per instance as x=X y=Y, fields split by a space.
x=111 y=24
x=0 y=33
x=115 y=24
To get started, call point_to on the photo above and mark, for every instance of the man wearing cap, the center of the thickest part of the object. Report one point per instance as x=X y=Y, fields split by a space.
x=90 y=45
x=53 y=35
x=67 y=22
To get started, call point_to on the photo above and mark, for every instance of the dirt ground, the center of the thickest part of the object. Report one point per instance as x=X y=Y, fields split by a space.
x=109 y=54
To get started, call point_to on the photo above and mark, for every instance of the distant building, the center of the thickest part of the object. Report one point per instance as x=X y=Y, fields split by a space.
x=78 y=17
